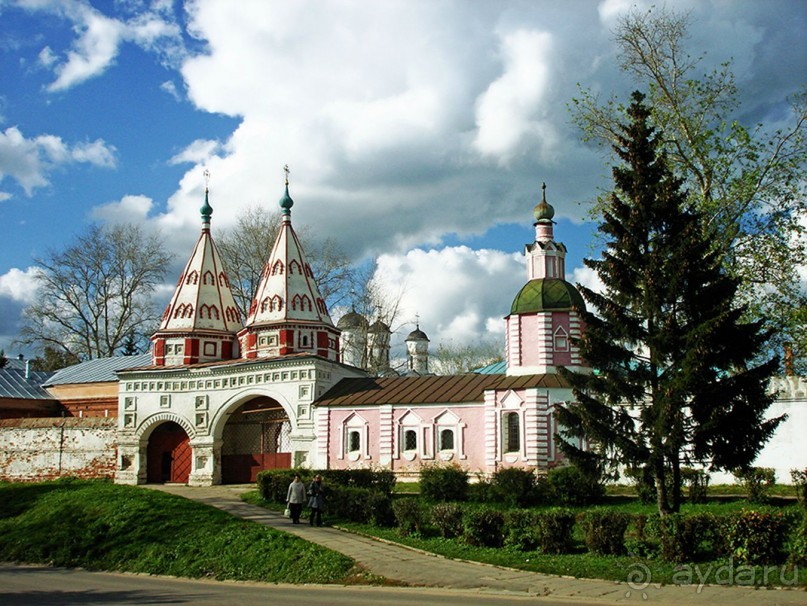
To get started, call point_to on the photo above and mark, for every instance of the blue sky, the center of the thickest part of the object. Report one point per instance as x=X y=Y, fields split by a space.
x=419 y=131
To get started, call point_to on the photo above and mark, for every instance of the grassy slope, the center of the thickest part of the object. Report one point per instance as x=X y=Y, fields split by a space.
x=102 y=526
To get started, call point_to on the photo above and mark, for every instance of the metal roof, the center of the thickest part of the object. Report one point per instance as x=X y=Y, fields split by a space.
x=100 y=370
x=13 y=384
x=450 y=389
x=497 y=368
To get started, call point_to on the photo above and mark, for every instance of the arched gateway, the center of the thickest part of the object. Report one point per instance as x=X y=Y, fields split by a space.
x=255 y=437
x=168 y=454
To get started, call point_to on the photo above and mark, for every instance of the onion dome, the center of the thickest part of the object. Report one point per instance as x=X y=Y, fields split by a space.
x=350 y=320
x=417 y=335
x=547 y=294
x=378 y=327
x=543 y=211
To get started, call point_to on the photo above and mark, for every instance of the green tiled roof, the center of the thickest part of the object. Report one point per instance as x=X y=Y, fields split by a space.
x=546 y=294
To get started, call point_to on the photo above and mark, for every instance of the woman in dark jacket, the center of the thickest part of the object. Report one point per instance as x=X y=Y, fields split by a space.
x=316 y=500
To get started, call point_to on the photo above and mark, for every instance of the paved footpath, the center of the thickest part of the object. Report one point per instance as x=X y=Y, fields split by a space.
x=418 y=568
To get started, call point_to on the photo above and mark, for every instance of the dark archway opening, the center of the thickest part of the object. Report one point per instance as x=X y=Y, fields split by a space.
x=169 y=454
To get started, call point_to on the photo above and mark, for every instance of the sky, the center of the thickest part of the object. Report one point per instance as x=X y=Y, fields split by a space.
x=416 y=131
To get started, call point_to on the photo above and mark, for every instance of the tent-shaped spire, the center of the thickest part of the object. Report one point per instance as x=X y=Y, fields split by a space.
x=202 y=320
x=288 y=314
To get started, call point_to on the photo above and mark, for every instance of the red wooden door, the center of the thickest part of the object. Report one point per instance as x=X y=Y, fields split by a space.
x=169 y=455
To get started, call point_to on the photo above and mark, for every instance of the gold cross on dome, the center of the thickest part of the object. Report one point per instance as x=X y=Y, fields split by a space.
x=287 y=171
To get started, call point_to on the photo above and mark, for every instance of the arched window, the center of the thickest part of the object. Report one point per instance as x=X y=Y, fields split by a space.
x=277 y=268
x=447 y=439
x=410 y=440
x=353 y=441
x=209 y=278
x=224 y=280
x=265 y=304
x=512 y=432
x=192 y=278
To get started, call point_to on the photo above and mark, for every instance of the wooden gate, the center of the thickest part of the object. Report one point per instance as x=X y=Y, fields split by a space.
x=256 y=437
x=169 y=455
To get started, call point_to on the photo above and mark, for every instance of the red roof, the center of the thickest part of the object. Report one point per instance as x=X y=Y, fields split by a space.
x=452 y=389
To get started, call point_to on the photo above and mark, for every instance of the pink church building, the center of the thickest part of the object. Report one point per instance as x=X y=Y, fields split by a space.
x=225 y=397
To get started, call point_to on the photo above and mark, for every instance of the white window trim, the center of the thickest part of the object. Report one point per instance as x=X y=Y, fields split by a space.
x=354 y=422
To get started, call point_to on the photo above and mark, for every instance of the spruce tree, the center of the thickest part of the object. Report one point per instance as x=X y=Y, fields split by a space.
x=673 y=382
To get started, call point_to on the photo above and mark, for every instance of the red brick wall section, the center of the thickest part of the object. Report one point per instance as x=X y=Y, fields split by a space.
x=45 y=449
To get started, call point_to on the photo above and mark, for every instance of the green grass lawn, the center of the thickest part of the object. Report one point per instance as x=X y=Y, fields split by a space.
x=102 y=526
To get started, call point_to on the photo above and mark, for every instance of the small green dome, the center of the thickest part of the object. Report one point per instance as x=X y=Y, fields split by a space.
x=546 y=294
x=206 y=209
x=286 y=202
x=543 y=211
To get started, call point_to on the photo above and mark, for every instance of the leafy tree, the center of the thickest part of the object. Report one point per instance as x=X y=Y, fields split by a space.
x=453 y=358
x=674 y=381
x=246 y=247
x=747 y=181
x=96 y=292
x=53 y=359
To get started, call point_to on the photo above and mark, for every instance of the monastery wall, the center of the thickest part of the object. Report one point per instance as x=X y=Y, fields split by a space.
x=49 y=448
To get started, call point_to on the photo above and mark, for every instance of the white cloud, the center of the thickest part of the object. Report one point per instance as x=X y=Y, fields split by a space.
x=436 y=283
x=29 y=161
x=99 y=38
x=171 y=88
x=198 y=152
x=587 y=277
x=19 y=285
x=129 y=209
x=512 y=108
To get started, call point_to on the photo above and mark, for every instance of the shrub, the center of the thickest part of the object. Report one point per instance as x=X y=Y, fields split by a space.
x=692 y=537
x=447 y=517
x=444 y=483
x=555 y=528
x=604 y=531
x=757 y=482
x=514 y=486
x=799 y=477
x=643 y=483
x=409 y=516
x=757 y=537
x=696 y=482
x=522 y=529
x=363 y=505
x=482 y=490
x=273 y=484
x=568 y=485
x=483 y=527
x=382 y=480
x=798 y=544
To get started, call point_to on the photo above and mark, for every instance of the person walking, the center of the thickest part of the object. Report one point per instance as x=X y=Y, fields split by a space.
x=316 y=500
x=295 y=499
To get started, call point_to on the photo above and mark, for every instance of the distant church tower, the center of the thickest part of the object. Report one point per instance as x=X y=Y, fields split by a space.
x=417 y=350
x=353 y=341
x=288 y=314
x=543 y=319
x=201 y=321
x=378 y=347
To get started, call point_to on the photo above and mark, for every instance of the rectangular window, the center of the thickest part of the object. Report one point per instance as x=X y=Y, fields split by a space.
x=512 y=435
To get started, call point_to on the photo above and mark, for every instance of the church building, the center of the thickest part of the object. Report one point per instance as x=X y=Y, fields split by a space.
x=225 y=397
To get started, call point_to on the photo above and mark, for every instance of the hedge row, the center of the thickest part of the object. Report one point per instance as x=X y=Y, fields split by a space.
x=274 y=484
x=512 y=486
x=750 y=537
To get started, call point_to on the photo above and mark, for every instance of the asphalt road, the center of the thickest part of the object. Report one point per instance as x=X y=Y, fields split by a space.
x=23 y=585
